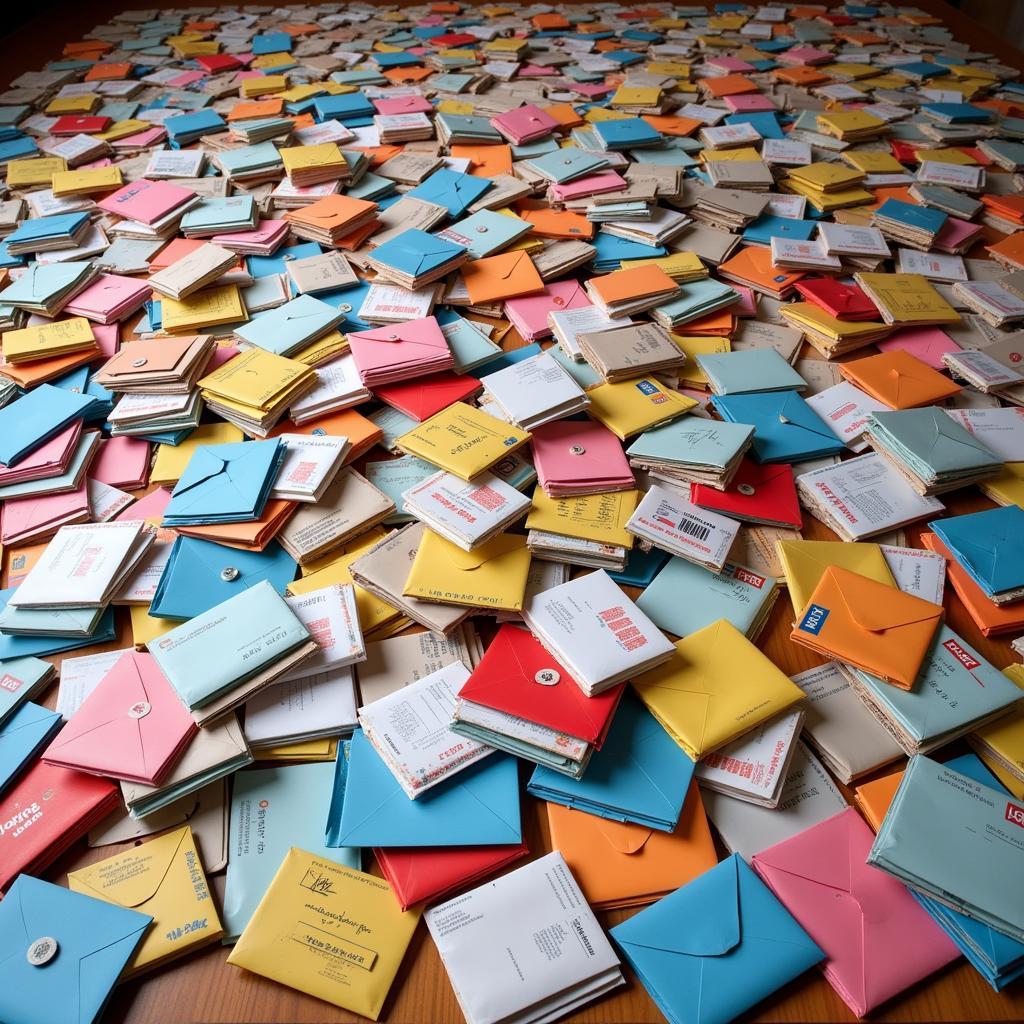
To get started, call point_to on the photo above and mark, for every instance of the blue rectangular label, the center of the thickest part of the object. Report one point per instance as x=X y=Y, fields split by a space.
x=814 y=619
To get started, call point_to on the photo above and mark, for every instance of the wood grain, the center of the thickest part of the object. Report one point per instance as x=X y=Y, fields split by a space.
x=202 y=989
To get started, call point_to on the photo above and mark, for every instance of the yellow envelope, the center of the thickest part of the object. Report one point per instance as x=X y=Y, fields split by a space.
x=1005 y=489
x=873 y=163
x=323 y=350
x=61 y=337
x=145 y=627
x=122 y=129
x=805 y=561
x=206 y=308
x=827 y=177
x=171 y=460
x=304 y=158
x=311 y=750
x=716 y=687
x=690 y=374
x=630 y=407
x=84 y=104
x=329 y=931
x=596 y=517
x=256 y=379
x=491 y=576
x=680 y=266
x=636 y=96
x=85 y=182
x=163 y=878
x=1000 y=744
x=740 y=153
x=463 y=440
x=36 y=171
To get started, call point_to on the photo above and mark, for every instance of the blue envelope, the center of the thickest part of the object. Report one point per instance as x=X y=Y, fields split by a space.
x=767 y=227
x=290 y=327
x=21 y=679
x=28 y=646
x=30 y=421
x=626 y=132
x=641 y=567
x=186 y=128
x=989 y=545
x=225 y=483
x=264 y=266
x=786 y=428
x=996 y=957
x=477 y=807
x=89 y=943
x=451 y=189
x=22 y=737
x=271 y=42
x=612 y=250
x=200 y=574
x=640 y=774
x=43 y=228
x=752 y=370
x=709 y=951
x=414 y=252
x=352 y=109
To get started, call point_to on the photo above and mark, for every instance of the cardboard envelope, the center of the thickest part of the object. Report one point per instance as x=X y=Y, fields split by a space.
x=94 y=942
x=132 y=726
x=164 y=879
x=501 y=277
x=409 y=345
x=492 y=575
x=874 y=627
x=899 y=379
x=715 y=687
x=877 y=938
x=509 y=676
x=805 y=562
x=620 y=864
x=738 y=945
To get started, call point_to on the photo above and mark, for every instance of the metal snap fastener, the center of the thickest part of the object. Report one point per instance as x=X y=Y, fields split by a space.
x=392 y=337
x=140 y=709
x=567 y=162
x=139 y=362
x=482 y=229
x=577 y=449
x=345 y=308
x=547 y=677
x=42 y=951
x=746 y=489
x=229 y=574
x=287 y=256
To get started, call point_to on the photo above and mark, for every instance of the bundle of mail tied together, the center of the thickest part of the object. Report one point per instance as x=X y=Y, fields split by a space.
x=502 y=466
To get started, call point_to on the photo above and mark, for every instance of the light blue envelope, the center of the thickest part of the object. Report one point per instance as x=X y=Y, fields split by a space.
x=273 y=809
x=989 y=545
x=627 y=132
x=70 y=978
x=24 y=734
x=200 y=574
x=957 y=841
x=62 y=622
x=786 y=428
x=469 y=345
x=693 y=440
x=30 y=421
x=27 y=646
x=42 y=281
x=290 y=327
x=568 y=164
x=709 y=951
x=956 y=691
x=264 y=266
x=414 y=252
x=211 y=654
x=394 y=478
x=757 y=369
x=43 y=229
x=686 y=597
x=486 y=232
x=640 y=774
x=451 y=189
x=212 y=213
x=996 y=957
x=697 y=299
x=225 y=483
x=479 y=806
x=21 y=680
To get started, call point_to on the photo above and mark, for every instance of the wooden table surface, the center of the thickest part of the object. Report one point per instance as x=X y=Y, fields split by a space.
x=202 y=989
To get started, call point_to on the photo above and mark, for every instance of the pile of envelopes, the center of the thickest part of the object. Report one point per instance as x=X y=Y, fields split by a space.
x=407 y=428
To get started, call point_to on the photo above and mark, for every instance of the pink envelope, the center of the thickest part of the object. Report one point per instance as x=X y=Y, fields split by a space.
x=747 y=306
x=590 y=89
x=529 y=313
x=133 y=726
x=38 y=517
x=731 y=64
x=142 y=139
x=145 y=201
x=110 y=298
x=750 y=104
x=266 y=232
x=122 y=462
x=579 y=458
x=954 y=233
x=877 y=938
x=525 y=124
x=404 y=105
x=52 y=459
x=925 y=343
x=400 y=351
x=151 y=507
x=186 y=78
x=591 y=185
x=806 y=55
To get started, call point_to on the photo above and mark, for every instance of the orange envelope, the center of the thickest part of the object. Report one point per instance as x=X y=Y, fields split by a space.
x=619 y=864
x=487 y=161
x=899 y=379
x=557 y=223
x=873 y=798
x=253 y=535
x=673 y=124
x=753 y=266
x=729 y=85
x=255 y=109
x=634 y=283
x=501 y=277
x=869 y=625
x=362 y=433
x=565 y=114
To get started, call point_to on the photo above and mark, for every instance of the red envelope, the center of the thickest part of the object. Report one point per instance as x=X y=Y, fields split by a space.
x=843 y=301
x=122 y=462
x=428 y=874
x=133 y=726
x=45 y=813
x=507 y=680
x=423 y=398
x=764 y=494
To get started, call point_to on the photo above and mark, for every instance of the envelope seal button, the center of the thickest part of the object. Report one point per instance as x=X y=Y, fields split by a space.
x=345 y=308
x=577 y=449
x=140 y=709
x=229 y=574
x=746 y=489
x=139 y=362
x=547 y=677
x=42 y=951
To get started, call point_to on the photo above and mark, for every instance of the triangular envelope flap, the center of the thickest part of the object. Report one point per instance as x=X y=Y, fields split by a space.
x=827 y=861
x=482 y=782
x=876 y=607
x=514 y=265
x=466 y=561
x=204 y=465
x=37 y=723
x=949 y=430
x=794 y=412
x=163 y=356
x=623 y=836
x=982 y=553
x=682 y=923
x=134 y=890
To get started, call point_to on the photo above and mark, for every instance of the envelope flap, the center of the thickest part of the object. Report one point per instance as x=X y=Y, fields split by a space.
x=513 y=264
x=876 y=607
x=825 y=860
x=467 y=561
x=204 y=466
x=792 y=411
x=164 y=355
x=135 y=889
x=623 y=836
x=948 y=432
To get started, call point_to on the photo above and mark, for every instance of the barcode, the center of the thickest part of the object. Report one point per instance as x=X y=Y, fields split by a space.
x=698 y=530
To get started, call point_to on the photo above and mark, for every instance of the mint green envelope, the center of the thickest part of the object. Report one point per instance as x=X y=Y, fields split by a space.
x=693 y=441
x=758 y=369
x=21 y=680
